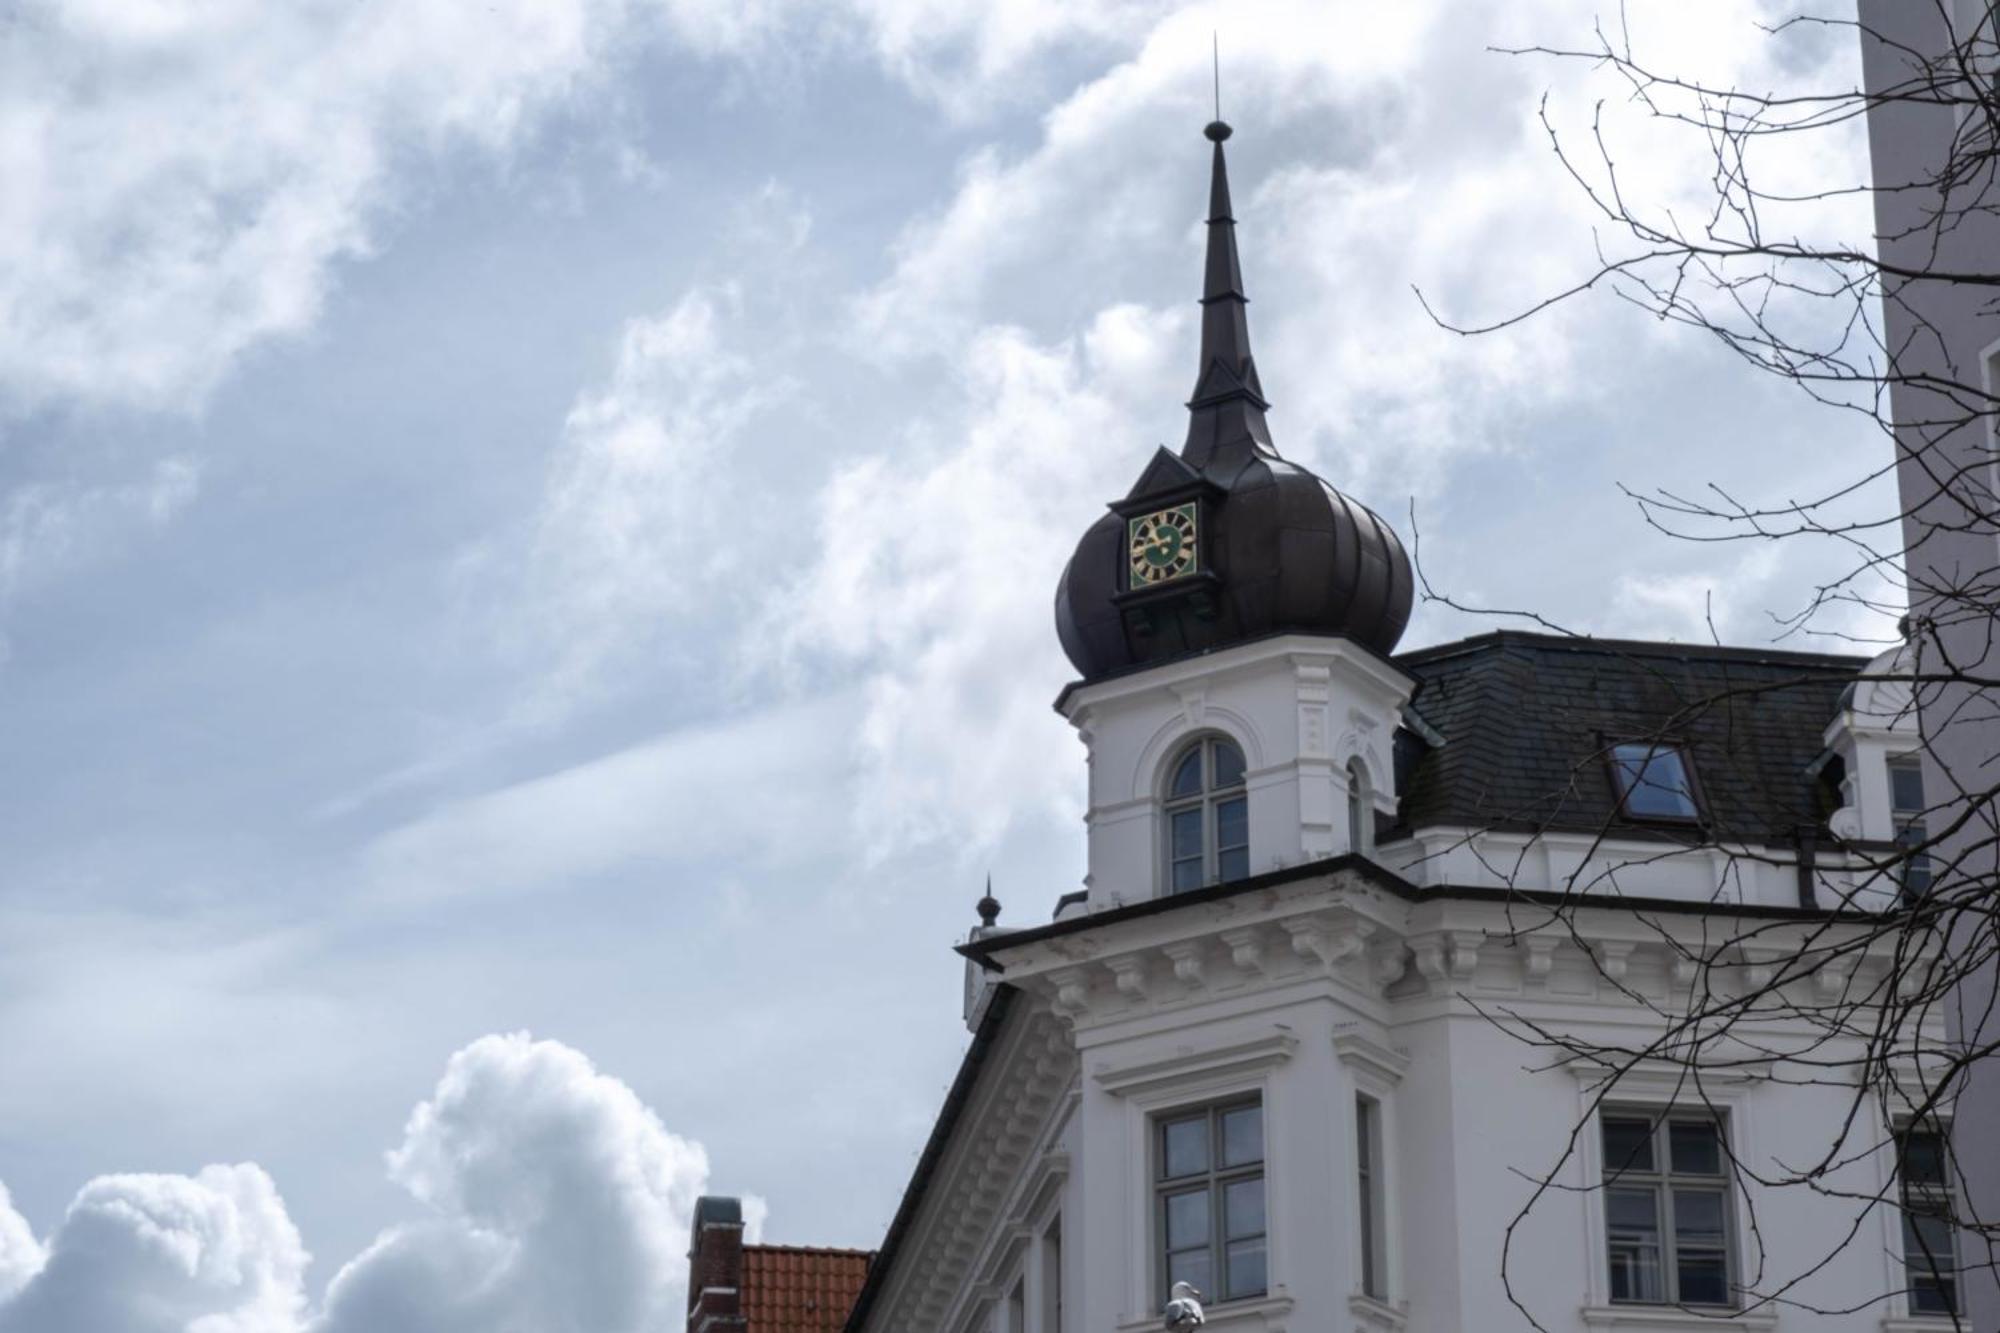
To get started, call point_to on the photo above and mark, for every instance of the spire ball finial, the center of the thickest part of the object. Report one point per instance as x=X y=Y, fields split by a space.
x=988 y=907
x=1218 y=130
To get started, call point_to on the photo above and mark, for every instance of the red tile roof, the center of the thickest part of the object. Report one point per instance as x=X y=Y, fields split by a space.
x=799 y=1288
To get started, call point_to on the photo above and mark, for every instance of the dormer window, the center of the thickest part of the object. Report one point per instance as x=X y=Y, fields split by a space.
x=1654 y=781
x=1208 y=816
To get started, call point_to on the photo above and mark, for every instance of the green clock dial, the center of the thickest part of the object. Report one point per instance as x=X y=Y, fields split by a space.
x=1162 y=545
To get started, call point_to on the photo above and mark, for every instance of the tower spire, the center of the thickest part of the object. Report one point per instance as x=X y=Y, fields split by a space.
x=1228 y=403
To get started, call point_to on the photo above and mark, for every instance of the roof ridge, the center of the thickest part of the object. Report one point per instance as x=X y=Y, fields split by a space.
x=1590 y=643
x=810 y=1249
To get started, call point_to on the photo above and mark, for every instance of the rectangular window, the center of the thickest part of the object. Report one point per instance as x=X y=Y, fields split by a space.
x=1368 y=1169
x=1052 y=1291
x=1654 y=781
x=1906 y=804
x=1667 y=1214
x=1209 y=1200
x=1930 y=1245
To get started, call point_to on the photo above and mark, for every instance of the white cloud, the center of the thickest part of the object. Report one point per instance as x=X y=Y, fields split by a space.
x=739 y=792
x=939 y=568
x=624 y=540
x=560 y=1201
x=208 y=1253
x=181 y=177
x=49 y=527
x=556 y=1200
x=1392 y=148
x=21 y=1256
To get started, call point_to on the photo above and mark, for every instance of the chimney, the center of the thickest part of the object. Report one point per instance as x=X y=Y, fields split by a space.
x=715 y=1267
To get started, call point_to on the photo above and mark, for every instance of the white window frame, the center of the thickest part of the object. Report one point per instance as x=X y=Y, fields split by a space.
x=1188 y=1079
x=1373 y=1071
x=1900 y=1248
x=1214 y=1181
x=1360 y=808
x=1208 y=801
x=1660 y=1087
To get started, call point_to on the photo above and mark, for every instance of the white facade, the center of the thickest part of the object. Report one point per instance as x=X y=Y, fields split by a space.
x=1322 y=986
x=1310 y=714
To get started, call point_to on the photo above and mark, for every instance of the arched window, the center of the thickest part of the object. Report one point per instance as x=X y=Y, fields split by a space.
x=1360 y=812
x=1208 y=816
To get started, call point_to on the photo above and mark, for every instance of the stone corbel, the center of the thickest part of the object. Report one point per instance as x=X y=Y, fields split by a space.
x=1069 y=993
x=1129 y=974
x=1330 y=941
x=1448 y=957
x=1538 y=959
x=1186 y=956
x=1388 y=960
x=1760 y=966
x=1246 y=950
x=1614 y=959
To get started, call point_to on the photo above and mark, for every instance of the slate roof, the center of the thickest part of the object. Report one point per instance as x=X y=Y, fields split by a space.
x=1526 y=719
x=799 y=1288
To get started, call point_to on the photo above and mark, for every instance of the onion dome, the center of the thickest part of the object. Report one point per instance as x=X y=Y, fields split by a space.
x=1225 y=541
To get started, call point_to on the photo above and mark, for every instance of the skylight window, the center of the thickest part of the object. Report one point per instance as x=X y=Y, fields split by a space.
x=1654 y=781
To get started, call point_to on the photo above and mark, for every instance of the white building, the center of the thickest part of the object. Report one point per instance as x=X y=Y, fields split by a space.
x=1276 y=1047
x=1929 y=124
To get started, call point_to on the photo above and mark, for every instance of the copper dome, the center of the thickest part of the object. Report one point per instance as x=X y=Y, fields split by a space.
x=1274 y=549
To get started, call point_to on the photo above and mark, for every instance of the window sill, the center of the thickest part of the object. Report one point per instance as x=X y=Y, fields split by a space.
x=1375 y=1315
x=1262 y=1313
x=1671 y=1318
x=1918 y=1323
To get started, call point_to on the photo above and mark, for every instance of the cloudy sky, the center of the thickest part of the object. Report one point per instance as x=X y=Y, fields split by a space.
x=539 y=517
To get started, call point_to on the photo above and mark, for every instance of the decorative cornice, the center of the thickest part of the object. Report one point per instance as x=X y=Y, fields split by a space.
x=1385 y=1063
x=1216 y=1061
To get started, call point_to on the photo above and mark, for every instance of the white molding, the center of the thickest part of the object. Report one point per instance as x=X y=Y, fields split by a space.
x=1267 y=1313
x=1669 y=1319
x=1384 y=1063
x=1373 y=1316
x=1176 y=1071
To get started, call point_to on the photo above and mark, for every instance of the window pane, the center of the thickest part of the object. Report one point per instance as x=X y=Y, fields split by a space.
x=1187 y=1219
x=1187 y=875
x=1704 y=1277
x=1184 y=1147
x=1233 y=865
x=1232 y=823
x=1927 y=1243
x=1186 y=833
x=1906 y=785
x=1196 y=1267
x=1698 y=1219
x=1696 y=1148
x=1628 y=1145
x=1243 y=1208
x=1632 y=1223
x=1228 y=764
x=1933 y=1295
x=1653 y=781
x=1187 y=778
x=1246 y=1269
x=1922 y=1157
x=1243 y=1136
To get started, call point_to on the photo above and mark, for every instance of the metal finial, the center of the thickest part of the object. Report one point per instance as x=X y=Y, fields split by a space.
x=989 y=906
x=1217 y=130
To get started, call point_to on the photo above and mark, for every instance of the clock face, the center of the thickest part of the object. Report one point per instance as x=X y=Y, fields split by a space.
x=1162 y=545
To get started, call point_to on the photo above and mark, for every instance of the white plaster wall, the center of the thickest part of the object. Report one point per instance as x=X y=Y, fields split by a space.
x=1300 y=706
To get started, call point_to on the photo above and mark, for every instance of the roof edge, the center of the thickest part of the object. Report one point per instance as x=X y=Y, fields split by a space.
x=934 y=1148
x=982 y=951
x=1586 y=643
